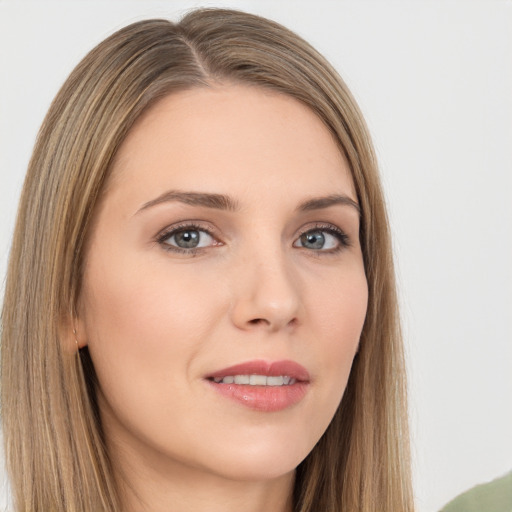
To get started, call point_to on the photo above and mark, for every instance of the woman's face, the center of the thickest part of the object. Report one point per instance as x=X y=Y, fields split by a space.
x=228 y=237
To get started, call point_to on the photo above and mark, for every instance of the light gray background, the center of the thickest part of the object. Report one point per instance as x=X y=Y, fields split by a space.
x=434 y=79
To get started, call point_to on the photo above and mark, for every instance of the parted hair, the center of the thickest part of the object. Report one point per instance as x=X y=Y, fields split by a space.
x=56 y=455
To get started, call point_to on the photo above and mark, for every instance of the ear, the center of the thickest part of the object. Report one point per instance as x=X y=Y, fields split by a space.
x=72 y=332
x=79 y=334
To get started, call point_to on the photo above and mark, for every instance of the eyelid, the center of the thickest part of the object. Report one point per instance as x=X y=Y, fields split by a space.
x=342 y=237
x=192 y=225
x=340 y=234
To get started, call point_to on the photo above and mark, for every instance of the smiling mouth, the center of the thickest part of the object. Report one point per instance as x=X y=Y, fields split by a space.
x=261 y=373
x=256 y=380
x=262 y=386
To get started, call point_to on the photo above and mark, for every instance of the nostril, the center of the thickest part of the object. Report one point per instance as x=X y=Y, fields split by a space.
x=257 y=321
x=264 y=322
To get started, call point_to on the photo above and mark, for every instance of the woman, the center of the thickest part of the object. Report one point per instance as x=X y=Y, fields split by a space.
x=203 y=262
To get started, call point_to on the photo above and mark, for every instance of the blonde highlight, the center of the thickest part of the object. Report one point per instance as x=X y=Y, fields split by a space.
x=55 y=451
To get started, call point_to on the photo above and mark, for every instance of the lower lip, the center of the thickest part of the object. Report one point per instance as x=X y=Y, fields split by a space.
x=263 y=398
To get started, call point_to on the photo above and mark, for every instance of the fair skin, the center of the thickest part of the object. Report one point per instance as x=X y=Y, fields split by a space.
x=178 y=286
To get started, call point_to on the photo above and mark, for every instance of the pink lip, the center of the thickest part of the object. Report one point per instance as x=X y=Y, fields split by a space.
x=263 y=398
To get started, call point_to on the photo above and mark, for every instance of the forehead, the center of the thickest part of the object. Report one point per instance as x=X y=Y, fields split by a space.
x=231 y=137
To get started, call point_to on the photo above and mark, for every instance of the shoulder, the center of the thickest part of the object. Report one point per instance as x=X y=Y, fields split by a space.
x=495 y=496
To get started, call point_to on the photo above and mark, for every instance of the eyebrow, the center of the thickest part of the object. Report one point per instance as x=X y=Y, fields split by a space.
x=224 y=202
x=216 y=201
x=318 y=203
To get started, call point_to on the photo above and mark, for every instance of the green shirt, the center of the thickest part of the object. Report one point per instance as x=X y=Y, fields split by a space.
x=495 y=496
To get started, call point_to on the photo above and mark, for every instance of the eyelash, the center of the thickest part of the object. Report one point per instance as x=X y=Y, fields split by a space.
x=343 y=238
x=161 y=239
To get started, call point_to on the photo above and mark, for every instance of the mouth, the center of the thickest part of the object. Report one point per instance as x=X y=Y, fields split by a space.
x=256 y=380
x=261 y=385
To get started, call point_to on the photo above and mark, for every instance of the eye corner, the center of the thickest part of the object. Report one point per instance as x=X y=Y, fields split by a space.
x=192 y=245
x=334 y=237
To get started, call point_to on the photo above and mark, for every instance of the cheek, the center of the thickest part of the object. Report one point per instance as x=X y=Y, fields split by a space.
x=339 y=315
x=144 y=325
x=347 y=312
x=340 y=307
x=146 y=298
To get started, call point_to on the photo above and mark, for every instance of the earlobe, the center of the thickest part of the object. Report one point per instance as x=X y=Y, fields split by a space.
x=78 y=330
x=78 y=326
x=78 y=347
x=72 y=334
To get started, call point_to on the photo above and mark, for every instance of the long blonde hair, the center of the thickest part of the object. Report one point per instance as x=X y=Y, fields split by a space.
x=55 y=451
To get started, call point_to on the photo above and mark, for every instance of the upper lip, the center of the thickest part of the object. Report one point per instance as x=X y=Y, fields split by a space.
x=268 y=368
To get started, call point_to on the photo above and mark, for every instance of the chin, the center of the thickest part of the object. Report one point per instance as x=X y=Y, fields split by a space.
x=259 y=461
x=253 y=471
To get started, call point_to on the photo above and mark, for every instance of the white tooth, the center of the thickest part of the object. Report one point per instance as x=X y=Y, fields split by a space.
x=217 y=379
x=228 y=380
x=275 y=381
x=292 y=381
x=258 y=380
x=286 y=380
x=242 y=379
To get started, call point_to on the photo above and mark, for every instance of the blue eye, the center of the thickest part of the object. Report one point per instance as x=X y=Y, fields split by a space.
x=322 y=239
x=187 y=239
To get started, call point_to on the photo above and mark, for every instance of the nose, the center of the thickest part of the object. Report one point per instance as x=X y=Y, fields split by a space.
x=266 y=295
